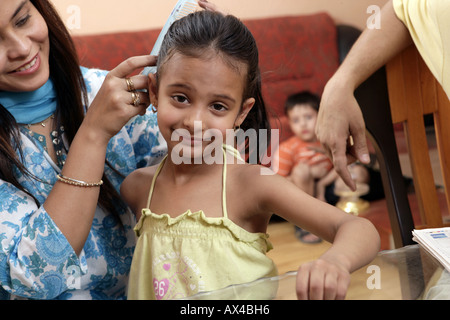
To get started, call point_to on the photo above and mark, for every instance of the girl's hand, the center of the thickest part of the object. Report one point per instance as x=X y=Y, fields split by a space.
x=322 y=280
x=116 y=103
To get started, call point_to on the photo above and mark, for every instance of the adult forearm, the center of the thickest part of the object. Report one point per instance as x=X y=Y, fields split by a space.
x=72 y=207
x=374 y=48
x=340 y=116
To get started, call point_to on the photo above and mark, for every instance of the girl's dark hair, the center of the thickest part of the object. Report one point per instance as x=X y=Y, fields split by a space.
x=196 y=33
x=72 y=99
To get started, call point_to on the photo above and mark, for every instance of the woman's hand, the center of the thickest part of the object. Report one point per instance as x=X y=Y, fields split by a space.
x=209 y=6
x=339 y=119
x=339 y=114
x=116 y=102
x=322 y=280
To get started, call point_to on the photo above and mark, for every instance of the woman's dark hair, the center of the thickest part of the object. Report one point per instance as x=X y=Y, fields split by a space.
x=72 y=99
x=201 y=31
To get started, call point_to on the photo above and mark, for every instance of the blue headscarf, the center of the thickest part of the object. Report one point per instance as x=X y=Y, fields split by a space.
x=32 y=106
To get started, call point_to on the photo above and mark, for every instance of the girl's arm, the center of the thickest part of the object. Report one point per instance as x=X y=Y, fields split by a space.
x=355 y=241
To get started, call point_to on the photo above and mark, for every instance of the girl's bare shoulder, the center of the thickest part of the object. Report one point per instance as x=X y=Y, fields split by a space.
x=136 y=185
x=260 y=183
x=251 y=175
x=140 y=176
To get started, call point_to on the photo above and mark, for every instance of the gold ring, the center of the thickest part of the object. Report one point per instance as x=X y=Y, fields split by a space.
x=135 y=98
x=130 y=84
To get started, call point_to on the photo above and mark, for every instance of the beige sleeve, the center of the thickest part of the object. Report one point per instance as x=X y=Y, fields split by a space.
x=428 y=22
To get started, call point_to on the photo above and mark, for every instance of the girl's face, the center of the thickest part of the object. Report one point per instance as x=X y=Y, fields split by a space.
x=24 y=47
x=302 y=120
x=197 y=94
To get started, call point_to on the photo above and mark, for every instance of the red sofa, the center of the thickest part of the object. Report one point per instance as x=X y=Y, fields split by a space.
x=296 y=53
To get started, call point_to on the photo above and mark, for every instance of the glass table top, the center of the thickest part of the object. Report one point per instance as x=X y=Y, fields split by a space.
x=407 y=273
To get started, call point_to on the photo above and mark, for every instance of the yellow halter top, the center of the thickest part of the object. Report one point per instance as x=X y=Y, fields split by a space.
x=179 y=257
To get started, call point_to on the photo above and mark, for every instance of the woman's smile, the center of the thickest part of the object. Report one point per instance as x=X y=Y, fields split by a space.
x=24 y=47
x=29 y=67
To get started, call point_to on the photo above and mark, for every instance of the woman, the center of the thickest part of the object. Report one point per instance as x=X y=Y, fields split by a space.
x=64 y=231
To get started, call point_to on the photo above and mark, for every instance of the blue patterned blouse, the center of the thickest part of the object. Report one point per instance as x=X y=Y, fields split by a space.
x=36 y=261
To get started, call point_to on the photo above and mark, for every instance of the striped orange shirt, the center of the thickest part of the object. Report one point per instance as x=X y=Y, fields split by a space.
x=294 y=150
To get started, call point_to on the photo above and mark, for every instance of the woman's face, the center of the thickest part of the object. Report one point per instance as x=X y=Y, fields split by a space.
x=24 y=47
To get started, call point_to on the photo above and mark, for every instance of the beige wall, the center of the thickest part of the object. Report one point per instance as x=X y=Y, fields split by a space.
x=100 y=16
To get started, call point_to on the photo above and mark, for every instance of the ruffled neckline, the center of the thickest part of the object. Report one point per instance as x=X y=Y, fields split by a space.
x=199 y=216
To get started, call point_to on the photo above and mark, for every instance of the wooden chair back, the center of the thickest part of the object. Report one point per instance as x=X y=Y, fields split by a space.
x=413 y=93
x=403 y=92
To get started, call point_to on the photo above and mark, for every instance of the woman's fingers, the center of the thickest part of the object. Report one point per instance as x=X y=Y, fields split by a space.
x=132 y=64
x=121 y=97
x=134 y=83
x=137 y=98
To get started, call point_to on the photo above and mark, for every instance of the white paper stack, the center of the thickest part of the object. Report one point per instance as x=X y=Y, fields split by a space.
x=437 y=242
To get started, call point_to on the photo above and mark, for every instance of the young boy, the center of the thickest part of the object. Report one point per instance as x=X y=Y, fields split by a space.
x=301 y=158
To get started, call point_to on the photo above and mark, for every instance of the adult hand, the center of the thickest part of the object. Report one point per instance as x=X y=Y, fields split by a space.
x=341 y=129
x=118 y=100
x=322 y=280
x=339 y=115
x=209 y=6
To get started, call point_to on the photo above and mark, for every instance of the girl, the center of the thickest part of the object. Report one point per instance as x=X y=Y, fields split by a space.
x=203 y=225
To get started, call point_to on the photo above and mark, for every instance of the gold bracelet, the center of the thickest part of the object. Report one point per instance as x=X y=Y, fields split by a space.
x=78 y=183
